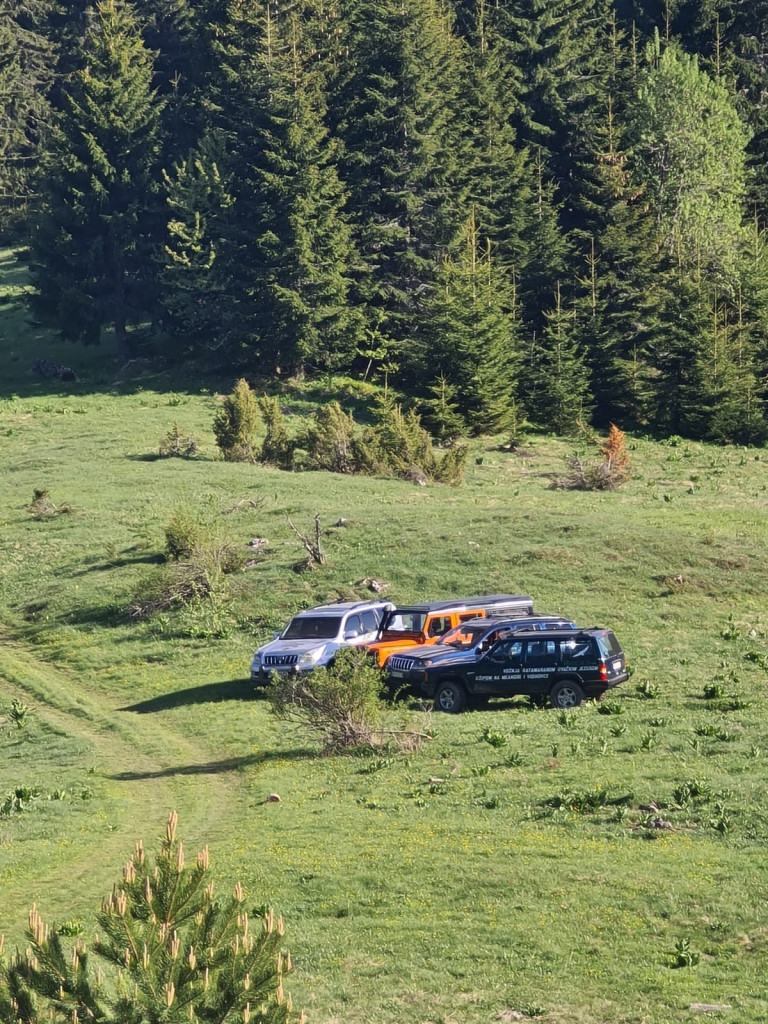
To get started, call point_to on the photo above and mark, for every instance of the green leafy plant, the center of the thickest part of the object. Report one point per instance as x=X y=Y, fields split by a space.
x=19 y=713
x=492 y=738
x=648 y=690
x=683 y=955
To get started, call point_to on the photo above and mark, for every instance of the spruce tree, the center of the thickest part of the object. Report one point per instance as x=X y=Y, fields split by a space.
x=547 y=255
x=194 y=285
x=27 y=61
x=620 y=298
x=395 y=112
x=472 y=336
x=500 y=180
x=287 y=250
x=91 y=247
x=562 y=48
x=555 y=376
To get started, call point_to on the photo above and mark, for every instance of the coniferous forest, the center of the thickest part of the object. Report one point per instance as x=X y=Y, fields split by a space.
x=551 y=209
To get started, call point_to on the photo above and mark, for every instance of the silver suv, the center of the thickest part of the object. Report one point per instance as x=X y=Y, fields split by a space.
x=312 y=637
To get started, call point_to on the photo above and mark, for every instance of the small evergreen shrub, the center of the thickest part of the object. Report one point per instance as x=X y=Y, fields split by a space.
x=276 y=448
x=235 y=424
x=176 y=444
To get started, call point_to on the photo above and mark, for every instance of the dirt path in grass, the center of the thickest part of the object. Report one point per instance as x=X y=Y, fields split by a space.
x=136 y=758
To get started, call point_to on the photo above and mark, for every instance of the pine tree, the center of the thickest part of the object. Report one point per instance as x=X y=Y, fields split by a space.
x=472 y=336
x=92 y=243
x=167 y=950
x=556 y=386
x=620 y=295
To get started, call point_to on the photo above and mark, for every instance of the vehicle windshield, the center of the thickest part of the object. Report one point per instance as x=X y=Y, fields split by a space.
x=403 y=620
x=312 y=627
x=463 y=637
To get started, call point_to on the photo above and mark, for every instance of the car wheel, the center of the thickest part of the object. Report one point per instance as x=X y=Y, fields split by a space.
x=450 y=697
x=537 y=700
x=566 y=694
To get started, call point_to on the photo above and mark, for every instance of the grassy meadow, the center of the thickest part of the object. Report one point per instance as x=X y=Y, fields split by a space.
x=604 y=864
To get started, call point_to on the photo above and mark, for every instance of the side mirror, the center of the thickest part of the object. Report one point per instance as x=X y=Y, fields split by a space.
x=351 y=634
x=276 y=636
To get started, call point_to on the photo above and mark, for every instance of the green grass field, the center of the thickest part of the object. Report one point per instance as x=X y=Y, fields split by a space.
x=451 y=885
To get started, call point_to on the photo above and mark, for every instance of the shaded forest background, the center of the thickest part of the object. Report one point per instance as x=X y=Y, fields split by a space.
x=541 y=209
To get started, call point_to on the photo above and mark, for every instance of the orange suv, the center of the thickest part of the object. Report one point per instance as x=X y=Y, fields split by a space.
x=425 y=623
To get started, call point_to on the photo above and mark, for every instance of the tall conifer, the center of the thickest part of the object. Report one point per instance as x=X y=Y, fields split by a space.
x=92 y=244
x=473 y=343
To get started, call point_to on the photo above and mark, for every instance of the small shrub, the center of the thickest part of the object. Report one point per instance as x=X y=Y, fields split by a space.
x=235 y=424
x=610 y=707
x=340 y=703
x=692 y=789
x=175 y=586
x=605 y=475
x=648 y=690
x=176 y=444
x=183 y=533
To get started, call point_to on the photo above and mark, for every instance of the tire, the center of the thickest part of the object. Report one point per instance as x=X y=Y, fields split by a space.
x=537 y=700
x=566 y=693
x=450 y=697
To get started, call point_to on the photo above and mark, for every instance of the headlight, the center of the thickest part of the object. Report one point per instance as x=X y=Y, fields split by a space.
x=256 y=661
x=427 y=662
x=311 y=657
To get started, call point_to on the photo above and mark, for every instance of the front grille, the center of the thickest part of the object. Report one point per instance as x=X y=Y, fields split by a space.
x=273 y=660
x=398 y=664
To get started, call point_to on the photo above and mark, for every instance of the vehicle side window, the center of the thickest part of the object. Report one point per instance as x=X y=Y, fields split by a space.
x=471 y=615
x=540 y=651
x=353 y=627
x=509 y=650
x=574 y=651
x=438 y=626
x=370 y=621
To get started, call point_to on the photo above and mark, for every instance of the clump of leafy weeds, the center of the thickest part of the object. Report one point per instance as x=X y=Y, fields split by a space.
x=492 y=738
x=648 y=690
x=683 y=955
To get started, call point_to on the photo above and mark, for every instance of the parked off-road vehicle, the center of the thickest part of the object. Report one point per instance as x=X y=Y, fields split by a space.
x=567 y=665
x=426 y=623
x=313 y=637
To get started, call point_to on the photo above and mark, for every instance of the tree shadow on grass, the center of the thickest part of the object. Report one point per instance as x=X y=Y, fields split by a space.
x=226 y=764
x=210 y=693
